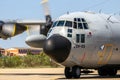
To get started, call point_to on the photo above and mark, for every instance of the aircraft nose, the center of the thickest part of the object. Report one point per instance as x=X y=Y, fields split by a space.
x=57 y=47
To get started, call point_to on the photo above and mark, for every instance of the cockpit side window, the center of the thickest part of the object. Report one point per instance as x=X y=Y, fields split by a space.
x=83 y=20
x=80 y=26
x=79 y=20
x=80 y=23
x=75 y=25
x=61 y=23
x=85 y=25
x=75 y=19
x=68 y=24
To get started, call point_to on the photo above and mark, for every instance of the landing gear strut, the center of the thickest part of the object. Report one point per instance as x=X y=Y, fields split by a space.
x=73 y=72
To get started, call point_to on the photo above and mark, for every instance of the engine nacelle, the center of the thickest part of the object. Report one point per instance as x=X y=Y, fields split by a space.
x=10 y=29
x=36 y=41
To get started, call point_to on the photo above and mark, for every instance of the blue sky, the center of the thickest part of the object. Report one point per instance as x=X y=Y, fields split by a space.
x=31 y=9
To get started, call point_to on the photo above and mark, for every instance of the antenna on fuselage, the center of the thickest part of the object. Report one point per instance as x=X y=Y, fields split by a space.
x=109 y=17
x=67 y=12
x=100 y=11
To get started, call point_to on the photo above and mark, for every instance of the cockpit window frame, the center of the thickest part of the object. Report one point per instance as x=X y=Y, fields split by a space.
x=80 y=26
x=55 y=23
x=61 y=23
x=75 y=25
x=82 y=22
x=68 y=24
x=78 y=23
x=85 y=25
x=79 y=19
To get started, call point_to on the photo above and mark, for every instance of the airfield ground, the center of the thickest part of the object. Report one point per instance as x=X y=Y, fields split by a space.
x=47 y=74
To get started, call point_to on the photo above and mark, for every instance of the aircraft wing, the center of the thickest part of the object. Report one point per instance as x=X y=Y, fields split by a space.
x=27 y=22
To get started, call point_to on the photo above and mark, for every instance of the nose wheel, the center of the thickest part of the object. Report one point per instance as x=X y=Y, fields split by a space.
x=73 y=72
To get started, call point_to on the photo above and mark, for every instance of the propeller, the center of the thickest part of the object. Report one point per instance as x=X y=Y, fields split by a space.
x=34 y=40
x=49 y=22
x=45 y=7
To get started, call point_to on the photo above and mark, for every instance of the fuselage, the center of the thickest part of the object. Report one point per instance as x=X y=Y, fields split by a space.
x=94 y=38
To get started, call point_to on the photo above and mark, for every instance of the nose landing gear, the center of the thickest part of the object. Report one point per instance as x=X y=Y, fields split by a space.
x=73 y=72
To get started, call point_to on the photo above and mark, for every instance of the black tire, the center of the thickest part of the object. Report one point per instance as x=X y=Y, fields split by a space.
x=103 y=72
x=76 y=72
x=112 y=72
x=68 y=73
x=107 y=71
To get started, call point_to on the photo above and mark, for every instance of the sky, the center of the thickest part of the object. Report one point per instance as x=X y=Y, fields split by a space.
x=32 y=10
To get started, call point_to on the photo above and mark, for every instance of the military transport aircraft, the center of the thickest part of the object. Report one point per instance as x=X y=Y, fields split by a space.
x=79 y=40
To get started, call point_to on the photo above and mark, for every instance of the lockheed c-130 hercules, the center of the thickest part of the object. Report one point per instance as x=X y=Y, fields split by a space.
x=79 y=40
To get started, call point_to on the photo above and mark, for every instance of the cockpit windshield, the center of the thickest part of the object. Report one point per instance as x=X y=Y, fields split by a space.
x=78 y=23
x=54 y=24
x=62 y=23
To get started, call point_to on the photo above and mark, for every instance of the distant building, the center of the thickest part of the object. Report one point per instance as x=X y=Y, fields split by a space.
x=16 y=51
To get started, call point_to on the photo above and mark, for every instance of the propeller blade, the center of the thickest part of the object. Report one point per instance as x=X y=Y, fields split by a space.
x=45 y=7
x=47 y=12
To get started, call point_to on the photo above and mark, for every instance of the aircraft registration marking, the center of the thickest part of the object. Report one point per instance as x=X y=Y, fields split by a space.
x=79 y=46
